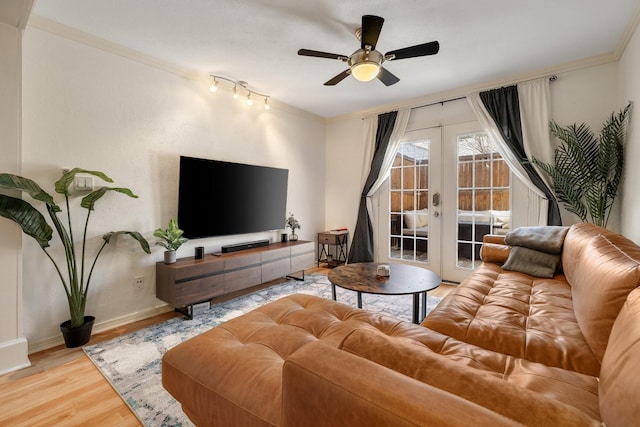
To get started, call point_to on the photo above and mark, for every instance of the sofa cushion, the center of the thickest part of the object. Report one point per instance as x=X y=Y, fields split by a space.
x=502 y=218
x=325 y=386
x=530 y=393
x=416 y=219
x=476 y=217
x=602 y=272
x=619 y=377
x=516 y=314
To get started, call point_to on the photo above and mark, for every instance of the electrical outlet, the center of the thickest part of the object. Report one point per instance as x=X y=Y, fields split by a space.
x=138 y=282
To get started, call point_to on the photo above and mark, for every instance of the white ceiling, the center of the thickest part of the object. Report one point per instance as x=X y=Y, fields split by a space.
x=257 y=40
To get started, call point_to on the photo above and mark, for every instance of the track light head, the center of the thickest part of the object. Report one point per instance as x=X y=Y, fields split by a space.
x=240 y=87
x=214 y=85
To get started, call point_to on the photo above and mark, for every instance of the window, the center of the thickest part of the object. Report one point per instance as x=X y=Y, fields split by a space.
x=483 y=196
x=409 y=202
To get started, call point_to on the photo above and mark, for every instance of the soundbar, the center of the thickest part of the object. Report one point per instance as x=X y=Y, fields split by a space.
x=242 y=246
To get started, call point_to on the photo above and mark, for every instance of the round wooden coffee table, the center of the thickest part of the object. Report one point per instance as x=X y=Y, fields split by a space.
x=403 y=280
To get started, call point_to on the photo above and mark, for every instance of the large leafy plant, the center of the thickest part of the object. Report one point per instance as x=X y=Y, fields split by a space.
x=33 y=223
x=587 y=170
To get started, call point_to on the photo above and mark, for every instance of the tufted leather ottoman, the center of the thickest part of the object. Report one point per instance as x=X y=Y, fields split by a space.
x=232 y=374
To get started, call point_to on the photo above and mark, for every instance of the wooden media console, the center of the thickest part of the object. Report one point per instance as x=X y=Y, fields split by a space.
x=189 y=281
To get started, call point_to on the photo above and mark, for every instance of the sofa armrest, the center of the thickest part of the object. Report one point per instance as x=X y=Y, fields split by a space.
x=494 y=253
x=325 y=386
x=493 y=238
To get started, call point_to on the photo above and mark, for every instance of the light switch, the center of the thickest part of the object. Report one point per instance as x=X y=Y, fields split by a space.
x=83 y=183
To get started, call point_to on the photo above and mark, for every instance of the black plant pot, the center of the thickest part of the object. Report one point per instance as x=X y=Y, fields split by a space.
x=80 y=335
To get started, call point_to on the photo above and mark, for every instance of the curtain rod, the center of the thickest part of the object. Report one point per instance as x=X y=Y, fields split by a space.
x=439 y=102
x=552 y=78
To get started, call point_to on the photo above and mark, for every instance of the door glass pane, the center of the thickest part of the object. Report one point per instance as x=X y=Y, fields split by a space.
x=409 y=202
x=483 y=196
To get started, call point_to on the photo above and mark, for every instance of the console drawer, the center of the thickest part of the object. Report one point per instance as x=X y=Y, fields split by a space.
x=327 y=238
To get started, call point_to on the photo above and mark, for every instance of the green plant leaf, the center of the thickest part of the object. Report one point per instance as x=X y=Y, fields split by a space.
x=26 y=185
x=62 y=185
x=89 y=201
x=28 y=218
x=587 y=170
x=134 y=234
x=171 y=237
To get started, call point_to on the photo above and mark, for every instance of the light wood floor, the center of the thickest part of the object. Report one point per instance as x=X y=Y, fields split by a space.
x=63 y=387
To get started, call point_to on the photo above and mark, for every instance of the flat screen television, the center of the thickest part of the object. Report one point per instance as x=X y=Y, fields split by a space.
x=217 y=198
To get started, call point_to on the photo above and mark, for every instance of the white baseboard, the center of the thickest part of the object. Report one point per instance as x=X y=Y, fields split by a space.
x=47 y=343
x=13 y=355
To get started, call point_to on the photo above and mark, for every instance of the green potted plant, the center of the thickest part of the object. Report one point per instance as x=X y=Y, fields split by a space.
x=587 y=170
x=77 y=277
x=292 y=223
x=170 y=239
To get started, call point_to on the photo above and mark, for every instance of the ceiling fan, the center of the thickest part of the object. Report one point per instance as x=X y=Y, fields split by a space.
x=365 y=64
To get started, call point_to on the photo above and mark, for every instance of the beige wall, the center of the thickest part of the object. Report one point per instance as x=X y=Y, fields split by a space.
x=95 y=109
x=588 y=95
x=630 y=91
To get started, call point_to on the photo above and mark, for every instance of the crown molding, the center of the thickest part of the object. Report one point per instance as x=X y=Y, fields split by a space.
x=628 y=33
x=64 y=31
x=15 y=13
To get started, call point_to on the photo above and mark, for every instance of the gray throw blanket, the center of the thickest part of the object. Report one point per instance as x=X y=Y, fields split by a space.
x=544 y=239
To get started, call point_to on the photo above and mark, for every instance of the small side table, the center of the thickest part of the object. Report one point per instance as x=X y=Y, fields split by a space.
x=339 y=240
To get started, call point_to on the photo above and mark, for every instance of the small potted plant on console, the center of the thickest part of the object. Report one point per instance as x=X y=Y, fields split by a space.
x=170 y=239
x=292 y=223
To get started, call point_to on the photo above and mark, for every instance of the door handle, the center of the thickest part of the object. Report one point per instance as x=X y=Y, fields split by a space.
x=435 y=200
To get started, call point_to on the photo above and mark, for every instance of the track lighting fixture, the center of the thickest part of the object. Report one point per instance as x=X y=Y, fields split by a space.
x=214 y=85
x=239 y=87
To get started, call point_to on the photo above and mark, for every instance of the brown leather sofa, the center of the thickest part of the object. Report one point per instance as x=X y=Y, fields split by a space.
x=504 y=348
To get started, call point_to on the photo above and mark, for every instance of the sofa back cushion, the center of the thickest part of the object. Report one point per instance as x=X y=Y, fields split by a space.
x=601 y=267
x=619 y=379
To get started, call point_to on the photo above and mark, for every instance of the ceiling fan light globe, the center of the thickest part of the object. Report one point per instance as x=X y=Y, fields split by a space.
x=365 y=71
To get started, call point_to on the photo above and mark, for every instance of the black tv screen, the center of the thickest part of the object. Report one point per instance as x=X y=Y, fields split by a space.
x=217 y=198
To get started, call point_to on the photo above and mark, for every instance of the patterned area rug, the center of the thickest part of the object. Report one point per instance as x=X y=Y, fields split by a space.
x=132 y=362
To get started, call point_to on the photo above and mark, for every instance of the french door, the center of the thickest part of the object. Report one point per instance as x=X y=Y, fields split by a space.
x=447 y=188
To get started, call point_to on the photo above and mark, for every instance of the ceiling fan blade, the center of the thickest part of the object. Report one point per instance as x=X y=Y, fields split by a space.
x=387 y=77
x=371 y=27
x=337 y=79
x=424 y=49
x=318 y=54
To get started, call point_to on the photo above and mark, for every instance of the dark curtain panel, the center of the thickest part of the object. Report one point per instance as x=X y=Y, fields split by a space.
x=362 y=242
x=504 y=108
